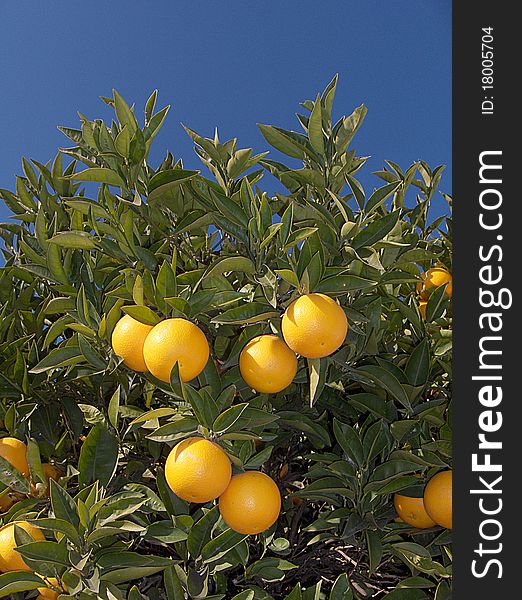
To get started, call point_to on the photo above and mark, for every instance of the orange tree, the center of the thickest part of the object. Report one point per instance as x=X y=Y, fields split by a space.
x=104 y=234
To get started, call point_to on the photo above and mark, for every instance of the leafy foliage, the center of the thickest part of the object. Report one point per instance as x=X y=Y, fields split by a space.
x=105 y=233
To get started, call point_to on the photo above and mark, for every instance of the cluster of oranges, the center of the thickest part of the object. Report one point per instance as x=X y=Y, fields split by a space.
x=198 y=470
x=431 y=280
x=434 y=508
x=14 y=452
x=313 y=326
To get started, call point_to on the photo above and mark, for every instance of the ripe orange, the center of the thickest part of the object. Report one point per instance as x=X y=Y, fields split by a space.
x=50 y=593
x=438 y=498
x=6 y=501
x=176 y=341
x=296 y=500
x=412 y=511
x=251 y=503
x=314 y=325
x=434 y=278
x=267 y=364
x=10 y=559
x=51 y=472
x=198 y=470
x=14 y=451
x=128 y=338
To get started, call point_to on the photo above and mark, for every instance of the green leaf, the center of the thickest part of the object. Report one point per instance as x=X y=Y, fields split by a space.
x=375 y=231
x=52 y=553
x=12 y=478
x=374 y=549
x=205 y=408
x=349 y=128
x=317 y=375
x=199 y=534
x=122 y=142
x=385 y=379
x=99 y=175
x=221 y=544
x=59 y=526
x=252 y=312
x=18 y=581
x=402 y=594
x=357 y=190
x=64 y=507
x=74 y=239
x=143 y=314
x=245 y=595
x=436 y=304
x=35 y=462
x=315 y=127
x=124 y=113
x=229 y=264
x=296 y=594
x=280 y=141
x=164 y=184
x=228 y=418
x=113 y=410
x=418 y=366
x=342 y=284
x=173 y=587
x=380 y=195
x=341 y=588
x=349 y=441
x=98 y=457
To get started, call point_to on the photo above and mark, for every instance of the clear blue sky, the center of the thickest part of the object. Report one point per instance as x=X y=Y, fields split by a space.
x=231 y=64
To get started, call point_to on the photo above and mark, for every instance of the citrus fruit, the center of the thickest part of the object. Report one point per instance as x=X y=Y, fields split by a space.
x=314 y=325
x=267 y=364
x=6 y=501
x=296 y=500
x=438 y=498
x=10 y=559
x=128 y=338
x=434 y=278
x=198 y=470
x=412 y=511
x=50 y=592
x=51 y=472
x=14 y=452
x=176 y=341
x=251 y=503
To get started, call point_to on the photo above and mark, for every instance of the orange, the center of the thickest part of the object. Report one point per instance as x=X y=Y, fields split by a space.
x=284 y=471
x=296 y=500
x=314 y=326
x=128 y=338
x=51 y=472
x=438 y=498
x=434 y=278
x=10 y=559
x=412 y=511
x=267 y=364
x=176 y=341
x=251 y=503
x=14 y=451
x=49 y=592
x=198 y=470
x=422 y=308
x=6 y=501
